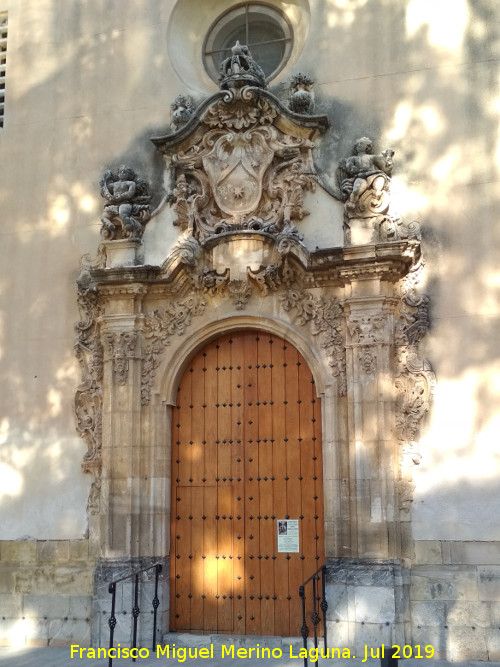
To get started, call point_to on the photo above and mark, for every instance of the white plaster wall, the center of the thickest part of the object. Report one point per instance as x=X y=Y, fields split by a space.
x=89 y=83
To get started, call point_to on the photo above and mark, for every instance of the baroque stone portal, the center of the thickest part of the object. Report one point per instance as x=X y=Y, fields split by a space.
x=238 y=171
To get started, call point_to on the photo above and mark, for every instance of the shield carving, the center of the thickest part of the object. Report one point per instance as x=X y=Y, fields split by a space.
x=235 y=168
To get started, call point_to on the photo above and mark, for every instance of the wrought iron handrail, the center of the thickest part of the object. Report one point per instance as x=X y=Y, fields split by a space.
x=135 y=609
x=319 y=603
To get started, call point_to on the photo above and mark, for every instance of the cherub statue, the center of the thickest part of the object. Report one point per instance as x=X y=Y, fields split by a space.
x=355 y=172
x=129 y=206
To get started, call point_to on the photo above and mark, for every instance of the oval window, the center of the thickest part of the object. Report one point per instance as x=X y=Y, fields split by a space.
x=265 y=31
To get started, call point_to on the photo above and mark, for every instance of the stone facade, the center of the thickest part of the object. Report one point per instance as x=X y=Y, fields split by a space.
x=344 y=226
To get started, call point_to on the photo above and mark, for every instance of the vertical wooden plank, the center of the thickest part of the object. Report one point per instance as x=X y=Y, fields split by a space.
x=238 y=484
x=293 y=490
x=307 y=468
x=174 y=565
x=224 y=562
x=197 y=418
x=224 y=404
x=182 y=537
x=195 y=560
x=181 y=500
x=183 y=427
x=224 y=488
x=308 y=523
x=210 y=498
x=209 y=560
x=318 y=473
x=266 y=524
x=280 y=563
x=252 y=544
x=210 y=410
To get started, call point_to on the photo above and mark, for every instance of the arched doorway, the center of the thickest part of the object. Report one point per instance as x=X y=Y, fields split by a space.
x=246 y=456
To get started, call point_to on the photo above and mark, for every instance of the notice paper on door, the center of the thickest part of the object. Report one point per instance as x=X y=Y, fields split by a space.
x=288 y=535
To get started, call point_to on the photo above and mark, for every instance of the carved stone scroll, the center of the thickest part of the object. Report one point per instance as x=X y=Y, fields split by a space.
x=414 y=380
x=159 y=325
x=88 y=395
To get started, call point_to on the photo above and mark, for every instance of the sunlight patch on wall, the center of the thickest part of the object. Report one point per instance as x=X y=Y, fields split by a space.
x=19 y=632
x=60 y=214
x=446 y=21
x=459 y=446
x=12 y=482
x=344 y=12
x=443 y=167
x=407 y=199
x=54 y=399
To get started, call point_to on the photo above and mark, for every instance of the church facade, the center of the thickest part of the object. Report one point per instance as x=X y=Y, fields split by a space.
x=249 y=306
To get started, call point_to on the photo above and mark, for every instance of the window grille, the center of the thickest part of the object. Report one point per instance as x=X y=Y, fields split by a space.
x=3 y=60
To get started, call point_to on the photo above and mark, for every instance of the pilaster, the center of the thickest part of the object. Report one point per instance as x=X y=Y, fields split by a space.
x=121 y=420
x=369 y=311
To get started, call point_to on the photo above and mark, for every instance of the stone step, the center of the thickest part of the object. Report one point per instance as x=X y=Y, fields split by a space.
x=184 y=639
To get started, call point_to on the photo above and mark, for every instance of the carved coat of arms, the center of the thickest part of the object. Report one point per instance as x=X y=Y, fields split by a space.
x=242 y=161
x=235 y=168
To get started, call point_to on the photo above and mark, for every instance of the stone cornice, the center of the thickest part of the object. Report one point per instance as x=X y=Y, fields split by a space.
x=389 y=261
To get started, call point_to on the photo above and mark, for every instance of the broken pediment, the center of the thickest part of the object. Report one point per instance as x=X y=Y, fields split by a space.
x=242 y=162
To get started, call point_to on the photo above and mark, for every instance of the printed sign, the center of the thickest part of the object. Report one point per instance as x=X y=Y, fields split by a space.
x=288 y=535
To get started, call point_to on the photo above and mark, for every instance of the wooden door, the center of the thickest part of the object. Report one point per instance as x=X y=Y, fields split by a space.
x=246 y=452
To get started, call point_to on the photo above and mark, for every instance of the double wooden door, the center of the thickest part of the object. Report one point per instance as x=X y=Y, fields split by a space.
x=246 y=453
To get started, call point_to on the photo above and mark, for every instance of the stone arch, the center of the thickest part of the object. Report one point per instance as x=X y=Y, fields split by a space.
x=334 y=447
x=195 y=339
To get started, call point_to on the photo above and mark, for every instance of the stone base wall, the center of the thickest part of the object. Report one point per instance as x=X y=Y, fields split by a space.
x=45 y=592
x=455 y=599
x=112 y=570
x=448 y=597
x=367 y=603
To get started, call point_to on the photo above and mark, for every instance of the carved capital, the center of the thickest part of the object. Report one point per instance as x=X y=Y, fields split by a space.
x=367 y=329
x=120 y=347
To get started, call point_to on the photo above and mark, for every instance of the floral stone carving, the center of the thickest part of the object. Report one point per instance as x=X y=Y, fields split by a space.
x=323 y=317
x=159 y=325
x=88 y=396
x=128 y=210
x=415 y=381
